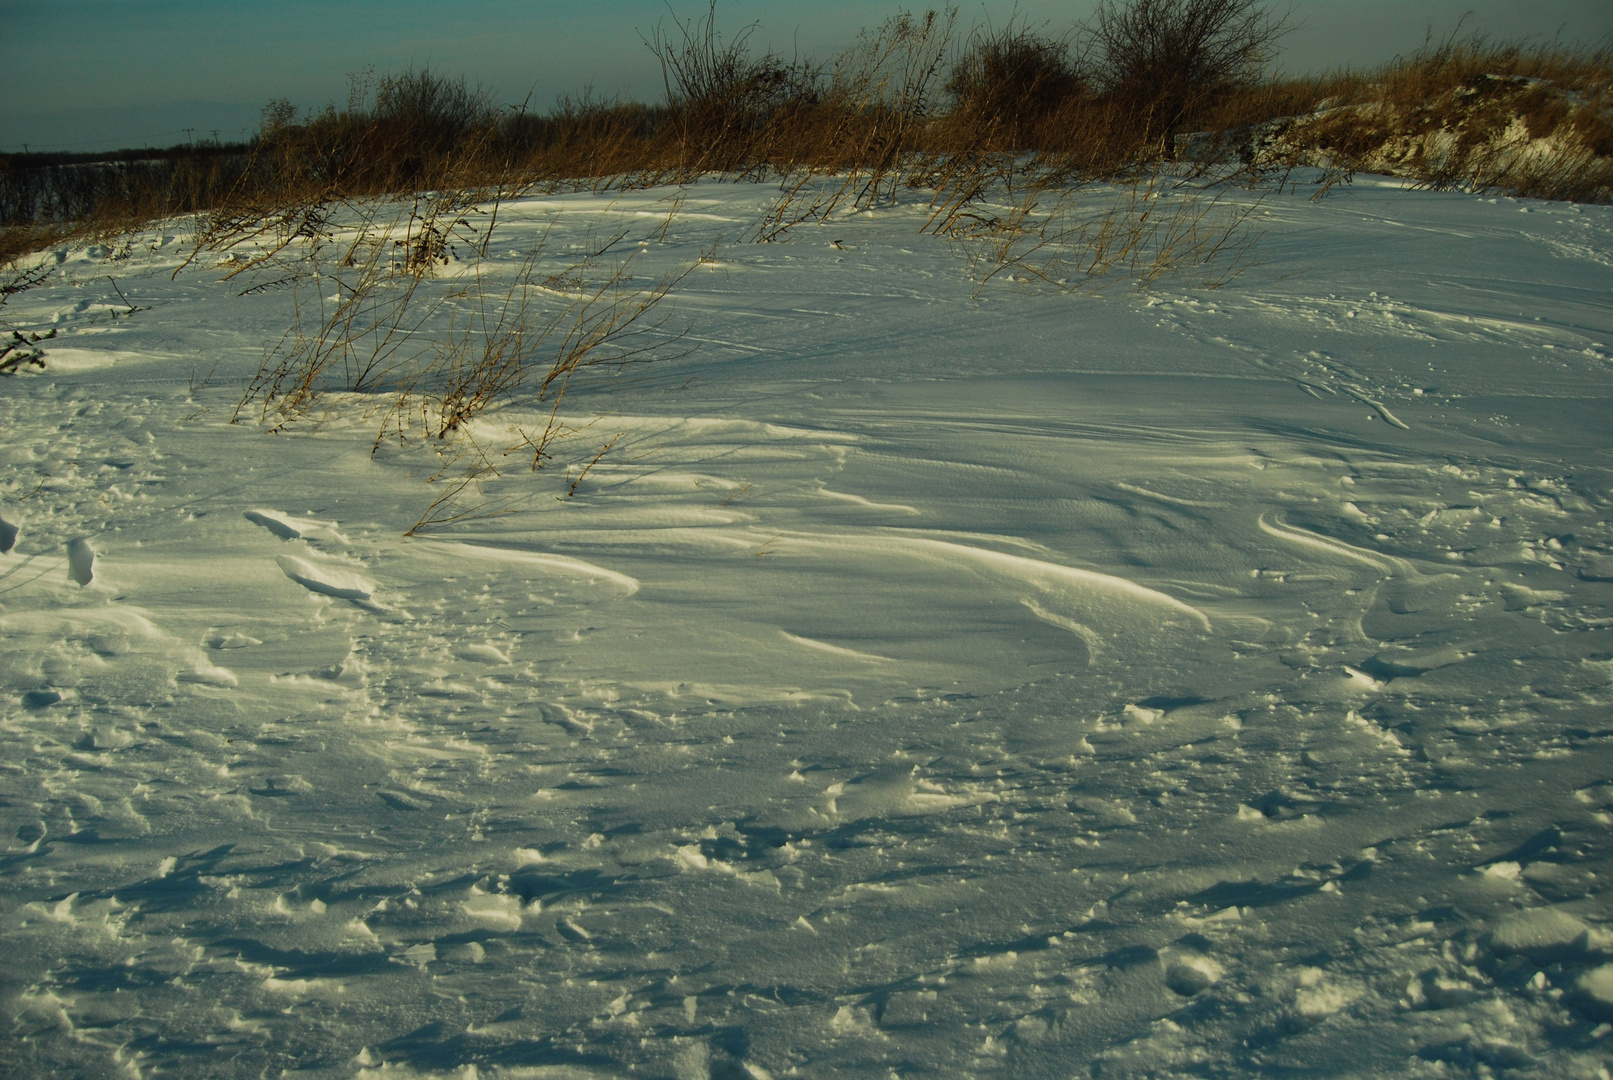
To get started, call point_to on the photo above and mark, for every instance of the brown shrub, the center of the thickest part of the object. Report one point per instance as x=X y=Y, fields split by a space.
x=1007 y=85
x=1165 y=60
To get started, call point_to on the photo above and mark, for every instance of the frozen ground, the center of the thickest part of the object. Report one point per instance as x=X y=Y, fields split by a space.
x=1166 y=684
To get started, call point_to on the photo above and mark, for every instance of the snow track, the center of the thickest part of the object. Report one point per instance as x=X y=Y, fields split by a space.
x=1130 y=686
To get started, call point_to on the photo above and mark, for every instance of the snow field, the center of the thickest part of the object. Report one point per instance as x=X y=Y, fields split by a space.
x=1039 y=685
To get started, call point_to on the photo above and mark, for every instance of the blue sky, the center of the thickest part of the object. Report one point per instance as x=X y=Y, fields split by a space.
x=99 y=74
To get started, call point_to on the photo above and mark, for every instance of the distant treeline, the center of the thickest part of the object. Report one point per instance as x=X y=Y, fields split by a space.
x=63 y=189
x=44 y=160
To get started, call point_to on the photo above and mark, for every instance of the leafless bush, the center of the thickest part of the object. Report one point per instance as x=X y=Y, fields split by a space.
x=1007 y=83
x=1166 y=58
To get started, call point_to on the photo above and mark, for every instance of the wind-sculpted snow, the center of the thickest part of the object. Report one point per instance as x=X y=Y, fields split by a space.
x=1174 y=684
x=324 y=580
x=1121 y=599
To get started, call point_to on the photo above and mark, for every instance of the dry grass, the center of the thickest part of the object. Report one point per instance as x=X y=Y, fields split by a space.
x=1134 y=233
x=914 y=102
x=378 y=333
x=1013 y=112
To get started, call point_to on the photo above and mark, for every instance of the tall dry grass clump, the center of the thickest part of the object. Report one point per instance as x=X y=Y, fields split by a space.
x=377 y=333
x=723 y=105
x=863 y=140
x=1135 y=232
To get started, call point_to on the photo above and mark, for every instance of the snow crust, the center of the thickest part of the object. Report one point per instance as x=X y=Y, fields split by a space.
x=1119 y=684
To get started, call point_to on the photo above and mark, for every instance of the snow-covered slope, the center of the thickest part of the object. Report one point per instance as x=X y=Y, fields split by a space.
x=1124 y=684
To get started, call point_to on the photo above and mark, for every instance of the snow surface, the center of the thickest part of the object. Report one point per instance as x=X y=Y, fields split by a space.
x=1119 y=684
